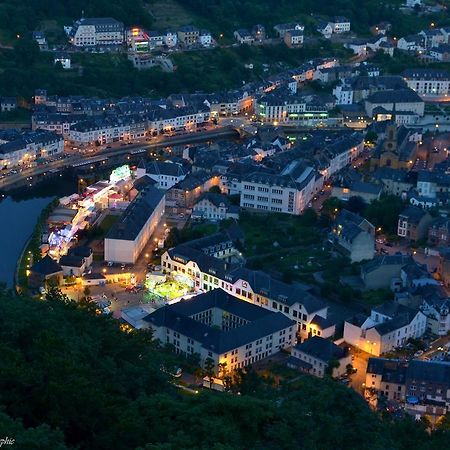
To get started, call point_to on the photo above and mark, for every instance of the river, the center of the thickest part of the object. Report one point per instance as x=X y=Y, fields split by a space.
x=18 y=215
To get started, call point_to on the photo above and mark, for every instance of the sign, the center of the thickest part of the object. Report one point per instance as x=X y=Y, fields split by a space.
x=120 y=173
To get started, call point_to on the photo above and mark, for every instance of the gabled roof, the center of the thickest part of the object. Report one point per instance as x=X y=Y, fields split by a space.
x=322 y=349
x=46 y=266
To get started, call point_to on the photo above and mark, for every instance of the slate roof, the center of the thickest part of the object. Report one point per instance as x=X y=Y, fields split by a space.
x=379 y=261
x=391 y=370
x=414 y=214
x=136 y=215
x=71 y=261
x=431 y=371
x=322 y=349
x=395 y=96
x=46 y=266
x=261 y=322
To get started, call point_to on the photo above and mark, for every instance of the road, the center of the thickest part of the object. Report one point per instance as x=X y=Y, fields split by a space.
x=71 y=159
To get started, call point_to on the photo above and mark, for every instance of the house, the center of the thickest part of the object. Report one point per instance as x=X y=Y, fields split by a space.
x=40 y=38
x=170 y=38
x=412 y=43
x=379 y=273
x=444 y=266
x=358 y=46
x=127 y=238
x=389 y=326
x=205 y=38
x=439 y=232
x=166 y=174
x=72 y=265
x=8 y=104
x=293 y=38
x=435 y=304
x=188 y=35
x=259 y=32
x=45 y=271
x=367 y=191
x=413 y=223
x=421 y=387
x=63 y=59
x=315 y=355
x=381 y=28
x=441 y=53
x=340 y=24
x=216 y=207
x=433 y=38
x=282 y=28
x=88 y=32
x=395 y=100
x=83 y=252
x=386 y=377
x=325 y=28
x=243 y=36
x=427 y=81
x=220 y=327
x=413 y=3
x=354 y=235
x=393 y=181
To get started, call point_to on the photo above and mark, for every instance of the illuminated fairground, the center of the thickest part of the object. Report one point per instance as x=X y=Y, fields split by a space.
x=162 y=289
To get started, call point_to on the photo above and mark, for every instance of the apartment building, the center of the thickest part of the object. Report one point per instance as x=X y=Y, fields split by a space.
x=220 y=327
x=88 y=32
x=428 y=81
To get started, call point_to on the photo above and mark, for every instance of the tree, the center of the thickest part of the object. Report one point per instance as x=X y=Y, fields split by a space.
x=332 y=364
x=222 y=369
x=215 y=190
x=209 y=370
x=87 y=291
x=332 y=206
x=384 y=212
x=356 y=204
x=26 y=52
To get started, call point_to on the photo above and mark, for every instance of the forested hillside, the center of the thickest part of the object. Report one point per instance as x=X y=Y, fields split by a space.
x=70 y=379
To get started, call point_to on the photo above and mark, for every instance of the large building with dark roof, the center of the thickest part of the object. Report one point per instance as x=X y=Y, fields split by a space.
x=395 y=100
x=128 y=236
x=221 y=327
x=89 y=32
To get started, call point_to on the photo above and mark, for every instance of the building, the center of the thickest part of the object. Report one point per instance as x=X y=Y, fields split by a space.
x=413 y=223
x=209 y=272
x=290 y=192
x=72 y=265
x=427 y=81
x=379 y=273
x=22 y=147
x=367 y=191
x=8 y=104
x=63 y=59
x=293 y=38
x=188 y=35
x=205 y=38
x=166 y=174
x=439 y=232
x=259 y=32
x=40 y=39
x=219 y=327
x=354 y=236
x=395 y=100
x=441 y=53
x=397 y=151
x=282 y=28
x=128 y=237
x=45 y=271
x=386 y=378
x=444 y=266
x=389 y=326
x=422 y=387
x=243 y=36
x=412 y=43
x=215 y=207
x=96 y=32
x=340 y=24
x=315 y=355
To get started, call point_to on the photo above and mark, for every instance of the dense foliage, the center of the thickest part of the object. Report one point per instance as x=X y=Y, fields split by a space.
x=71 y=379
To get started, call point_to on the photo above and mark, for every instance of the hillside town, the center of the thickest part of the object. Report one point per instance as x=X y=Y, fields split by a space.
x=300 y=221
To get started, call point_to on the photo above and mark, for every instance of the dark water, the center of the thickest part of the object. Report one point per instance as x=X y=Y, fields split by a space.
x=17 y=221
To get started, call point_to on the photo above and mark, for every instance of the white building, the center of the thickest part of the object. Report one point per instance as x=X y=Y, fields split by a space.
x=64 y=59
x=389 y=326
x=166 y=174
x=205 y=38
x=128 y=237
x=219 y=327
x=290 y=192
x=171 y=39
x=215 y=207
x=315 y=354
x=428 y=81
x=343 y=94
x=97 y=31
x=207 y=272
x=398 y=100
